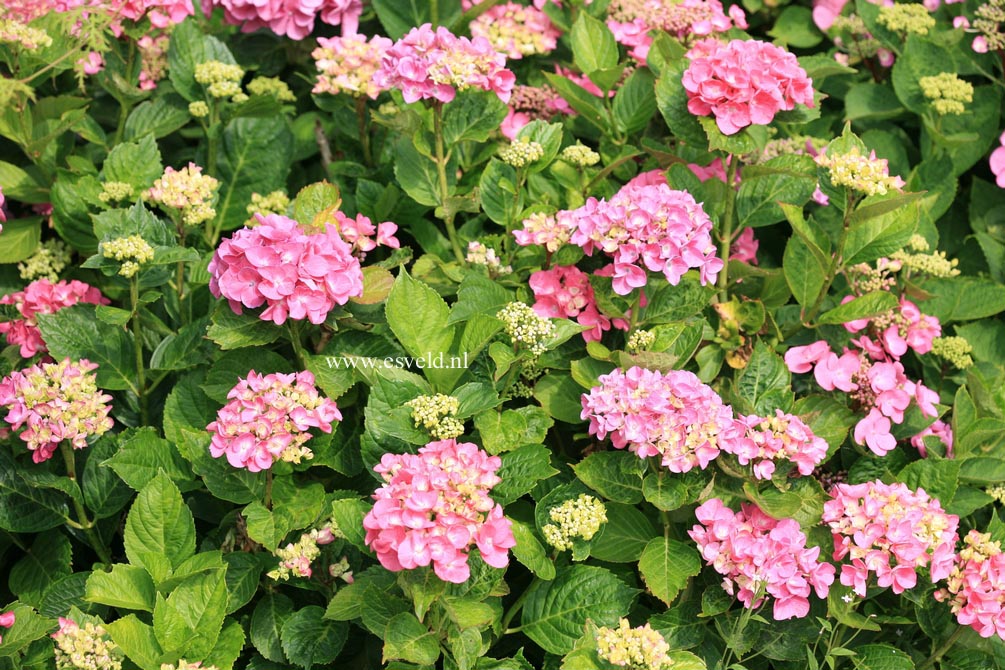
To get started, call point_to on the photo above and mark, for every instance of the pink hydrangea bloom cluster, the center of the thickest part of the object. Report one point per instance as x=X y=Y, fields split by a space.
x=896 y=331
x=880 y=388
x=543 y=230
x=975 y=589
x=891 y=531
x=7 y=620
x=162 y=13
x=632 y=20
x=783 y=437
x=529 y=103
x=347 y=64
x=434 y=506
x=566 y=293
x=363 y=235
x=428 y=64
x=298 y=273
x=268 y=419
x=153 y=55
x=761 y=557
x=997 y=162
x=293 y=18
x=646 y=227
x=939 y=429
x=744 y=247
x=674 y=416
x=516 y=31
x=57 y=402
x=745 y=82
x=43 y=297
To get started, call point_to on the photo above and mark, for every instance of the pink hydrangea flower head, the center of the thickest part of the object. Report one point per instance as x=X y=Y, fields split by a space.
x=890 y=531
x=292 y=18
x=761 y=557
x=348 y=64
x=646 y=228
x=7 y=619
x=566 y=293
x=529 y=103
x=153 y=55
x=674 y=416
x=744 y=247
x=997 y=161
x=802 y=359
x=428 y=64
x=162 y=13
x=363 y=235
x=783 y=437
x=268 y=418
x=939 y=429
x=43 y=297
x=900 y=329
x=297 y=273
x=745 y=82
x=631 y=21
x=434 y=506
x=56 y=402
x=975 y=588
x=516 y=31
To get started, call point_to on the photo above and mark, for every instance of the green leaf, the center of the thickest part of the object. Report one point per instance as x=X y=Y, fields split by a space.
x=255 y=158
x=135 y=163
x=125 y=587
x=417 y=315
x=671 y=98
x=26 y=185
x=137 y=640
x=348 y=516
x=560 y=396
x=549 y=136
x=804 y=501
x=243 y=572
x=229 y=368
x=963 y=298
x=744 y=141
x=228 y=646
x=407 y=639
x=20 y=239
x=635 y=102
x=765 y=384
x=160 y=531
x=669 y=491
x=982 y=470
x=871 y=101
x=189 y=47
x=878 y=236
x=417 y=174
x=521 y=470
x=862 y=307
x=625 y=535
x=309 y=639
x=666 y=566
x=142 y=455
x=512 y=428
x=794 y=27
x=676 y=303
x=804 y=272
x=616 y=475
x=267 y=622
x=158 y=117
x=189 y=620
x=581 y=100
x=881 y=657
x=555 y=612
x=76 y=332
x=472 y=116
x=316 y=200
x=24 y=508
x=262 y=527
x=530 y=552
x=497 y=189
x=593 y=44
x=233 y=331
x=46 y=562
x=791 y=180
x=400 y=16
x=939 y=479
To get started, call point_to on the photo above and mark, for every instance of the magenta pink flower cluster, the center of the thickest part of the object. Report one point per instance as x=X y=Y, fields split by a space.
x=646 y=227
x=745 y=82
x=566 y=293
x=673 y=416
x=293 y=18
x=347 y=64
x=761 y=557
x=162 y=13
x=997 y=162
x=632 y=21
x=427 y=64
x=783 y=437
x=528 y=103
x=57 y=402
x=434 y=506
x=975 y=588
x=7 y=620
x=298 y=273
x=744 y=247
x=268 y=419
x=891 y=531
x=364 y=236
x=896 y=331
x=43 y=297
x=880 y=388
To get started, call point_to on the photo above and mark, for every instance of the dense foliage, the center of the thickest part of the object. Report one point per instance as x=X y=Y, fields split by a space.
x=569 y=335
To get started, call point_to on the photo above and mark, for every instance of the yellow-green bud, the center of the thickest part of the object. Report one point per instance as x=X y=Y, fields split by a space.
x=134 y=251
x=954 y=349
x=525 y=328
x=222 y=80
x=640 y=340
x=436 y=413
x=909 y=19
x=115 y=191
x=639 y=648
x=50 y=258
x=276 y=202
x=15 y=32
x=947 y=93
x=575 y=518
x=997 y=492
x=580 y=155
x=199 y=109
x=273 y=86
x=521 y=153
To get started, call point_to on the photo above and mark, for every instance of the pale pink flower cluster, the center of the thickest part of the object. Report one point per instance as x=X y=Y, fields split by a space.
x=363 y=235
x=516 y=30
x=896 y=331
x=427 y=64
x=297 y=273
x=43 y=297
x=268 y=419
x=292 y=18
x=783 y=437
x=997 y=162
x=528 y=103
x=162 y=13
x=57 y=401
x=631 y=21
x=7 y=620
x=347 y=64
x=566 y=293
x=826 y=11
x=761 y=557
x=744 y=247
x=434 y=506
x=891 y=531
x=542 y=229
x=745 y=82
x=646 y=227
x=91 y=64
x=975 y=588
x=674 y=416
x=154 y=62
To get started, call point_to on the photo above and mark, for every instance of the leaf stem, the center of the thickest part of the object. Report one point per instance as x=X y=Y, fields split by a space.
x=82 y=522
x=726 y=230
x=836 y=261
x=943 y=649
x=364 y=130
x=134 y=295
x=441 y=171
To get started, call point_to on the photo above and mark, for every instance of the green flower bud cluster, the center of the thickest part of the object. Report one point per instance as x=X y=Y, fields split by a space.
x=954 y=349
x=580 y=155
x=525 y=328
x=134 y=251
x=640 y=340
x=115 y=191
x=521 y=153
x=49 y=259
x=437 y=414
x=273 y=86
x=907 y=19
x=575 y=518
x=639 y=648
x=947 y=93
x=222 y=80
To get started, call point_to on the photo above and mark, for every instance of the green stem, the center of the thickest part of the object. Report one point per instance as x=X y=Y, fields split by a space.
x=364 y=130
x=515 y=608
x=836 y=261
x=434 y=12
x=441 y=170
x=268 y=489
x=297 y=342
x=726 y=230
x=82 y=522
x=134 y=295
x=943 y=649
x=180 y=273
x=636 y=310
